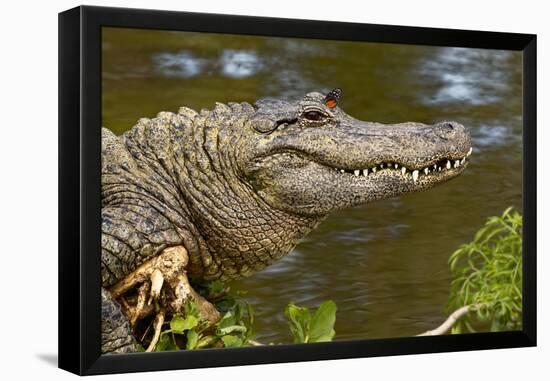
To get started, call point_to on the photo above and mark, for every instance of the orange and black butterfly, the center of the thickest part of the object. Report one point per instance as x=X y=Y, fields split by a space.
x=331 y=100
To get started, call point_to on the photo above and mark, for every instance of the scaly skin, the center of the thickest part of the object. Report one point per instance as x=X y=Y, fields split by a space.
x=238 y=186
x=115 y=329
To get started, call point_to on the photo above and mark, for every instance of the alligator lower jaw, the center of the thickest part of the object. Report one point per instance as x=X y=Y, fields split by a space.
x=440 y=168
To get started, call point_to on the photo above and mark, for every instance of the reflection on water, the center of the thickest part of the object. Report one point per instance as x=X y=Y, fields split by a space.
x=472 y=76
x=384 y=264
x=181 y=64
x=493 y=136
x=184 y=64
x=239 y=64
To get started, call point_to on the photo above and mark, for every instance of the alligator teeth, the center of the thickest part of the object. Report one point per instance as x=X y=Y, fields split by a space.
x=415 y=174
x=469 y=152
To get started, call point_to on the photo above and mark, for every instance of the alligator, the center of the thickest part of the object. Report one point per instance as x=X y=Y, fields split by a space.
x=223 y=193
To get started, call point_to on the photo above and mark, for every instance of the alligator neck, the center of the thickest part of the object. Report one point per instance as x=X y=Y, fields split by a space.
x=241 y=233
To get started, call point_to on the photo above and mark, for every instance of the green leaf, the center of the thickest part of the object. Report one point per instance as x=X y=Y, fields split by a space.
x=216 y=287
x=250 y=322
x=227 y=320
x=206 y=341
x=238 y=310
x=230 y=341
x=192 y=339
x=299 y=318
x=225 y=304
x=191 y=308
x=139 y=348
x=178 y=324
x=231 y=329
x=322 y=323
x=166 y=343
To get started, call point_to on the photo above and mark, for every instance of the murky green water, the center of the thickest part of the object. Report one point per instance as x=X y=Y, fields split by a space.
x=384 y=264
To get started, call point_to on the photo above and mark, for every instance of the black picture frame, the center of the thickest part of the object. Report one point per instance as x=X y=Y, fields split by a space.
x=80 y=179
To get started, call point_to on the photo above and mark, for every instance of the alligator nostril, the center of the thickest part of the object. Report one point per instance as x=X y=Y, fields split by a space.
x=447 y=130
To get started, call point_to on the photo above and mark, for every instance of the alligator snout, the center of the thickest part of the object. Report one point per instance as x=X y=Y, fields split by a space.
x=449 y=130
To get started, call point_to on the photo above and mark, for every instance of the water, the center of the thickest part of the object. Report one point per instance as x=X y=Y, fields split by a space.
x=384 y=264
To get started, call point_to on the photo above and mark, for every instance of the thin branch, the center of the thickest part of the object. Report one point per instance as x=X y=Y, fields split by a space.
x=451 y=320
x=255 y=343
x=159 y=321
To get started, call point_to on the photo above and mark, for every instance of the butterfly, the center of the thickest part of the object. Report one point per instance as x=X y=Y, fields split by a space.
x=331 y=100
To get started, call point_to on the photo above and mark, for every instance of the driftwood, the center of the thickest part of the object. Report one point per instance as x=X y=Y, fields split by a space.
x=451 y=321
x=164 y=270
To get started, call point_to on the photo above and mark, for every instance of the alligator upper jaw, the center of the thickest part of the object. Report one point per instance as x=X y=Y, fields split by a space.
x=442 y=168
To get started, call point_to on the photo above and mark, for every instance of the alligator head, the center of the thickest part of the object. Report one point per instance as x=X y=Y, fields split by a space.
x=309 y=157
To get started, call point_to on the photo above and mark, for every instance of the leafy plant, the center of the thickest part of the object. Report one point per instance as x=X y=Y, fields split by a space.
x=235 y=329
x=180 y=325
x=487 y=275
x=187 y=331
x=312 y=328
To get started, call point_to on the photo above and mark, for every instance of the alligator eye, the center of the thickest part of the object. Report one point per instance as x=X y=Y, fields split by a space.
x=314 y=115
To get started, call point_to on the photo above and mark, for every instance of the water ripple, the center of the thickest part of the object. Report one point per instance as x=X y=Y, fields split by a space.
x=465 y=76
x=230 y=63
x=239 y=63
x=183 y=64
